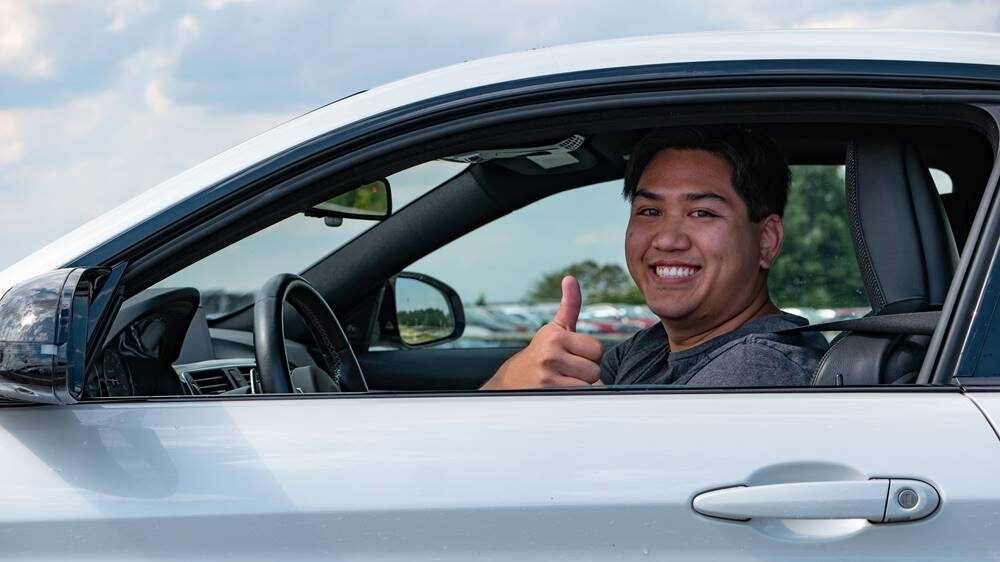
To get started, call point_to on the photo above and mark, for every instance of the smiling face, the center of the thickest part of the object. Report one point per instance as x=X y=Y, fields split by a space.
x=690 y=245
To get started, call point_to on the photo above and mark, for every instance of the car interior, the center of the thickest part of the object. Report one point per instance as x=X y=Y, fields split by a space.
x=907 y=238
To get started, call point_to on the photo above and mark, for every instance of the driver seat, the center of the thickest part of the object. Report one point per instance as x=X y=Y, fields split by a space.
x=907 y=256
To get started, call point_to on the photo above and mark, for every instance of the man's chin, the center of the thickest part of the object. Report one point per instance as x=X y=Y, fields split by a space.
x=671 y=313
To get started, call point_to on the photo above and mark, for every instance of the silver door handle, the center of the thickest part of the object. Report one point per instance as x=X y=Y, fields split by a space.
x=880 y=500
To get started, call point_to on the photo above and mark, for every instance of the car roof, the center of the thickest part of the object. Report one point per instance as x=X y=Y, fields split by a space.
x=867 y=45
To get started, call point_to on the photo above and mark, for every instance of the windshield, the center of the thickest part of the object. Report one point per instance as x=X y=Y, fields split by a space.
x=229 y=278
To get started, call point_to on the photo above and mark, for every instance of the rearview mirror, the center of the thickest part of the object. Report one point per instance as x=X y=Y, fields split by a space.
x=371 y=201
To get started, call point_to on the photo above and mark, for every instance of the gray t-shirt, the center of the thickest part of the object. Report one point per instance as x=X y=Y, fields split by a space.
x=751 y=355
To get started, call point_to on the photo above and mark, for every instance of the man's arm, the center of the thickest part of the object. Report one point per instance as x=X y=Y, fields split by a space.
x=557 y=356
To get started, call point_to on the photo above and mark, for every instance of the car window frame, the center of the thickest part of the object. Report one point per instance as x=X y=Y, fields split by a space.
x=969 y=312
x=289 y=188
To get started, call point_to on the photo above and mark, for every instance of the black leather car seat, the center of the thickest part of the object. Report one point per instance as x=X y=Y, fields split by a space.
x=907 y=256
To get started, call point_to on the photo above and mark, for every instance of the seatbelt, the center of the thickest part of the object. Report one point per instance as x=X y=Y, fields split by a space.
x=917 y=323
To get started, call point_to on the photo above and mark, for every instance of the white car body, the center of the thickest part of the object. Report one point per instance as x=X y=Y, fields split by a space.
x=482 y=478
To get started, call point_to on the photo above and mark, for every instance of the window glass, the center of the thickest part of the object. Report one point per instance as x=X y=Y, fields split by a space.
x=942 y=181
x=981 y=354
x=816 y=275
x=508 y=273
x=229 y=278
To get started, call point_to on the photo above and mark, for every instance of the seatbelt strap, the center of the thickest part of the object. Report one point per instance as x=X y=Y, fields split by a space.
x=917 y=323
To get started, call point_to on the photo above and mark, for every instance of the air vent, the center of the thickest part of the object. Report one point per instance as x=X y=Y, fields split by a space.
x=211 y=381
x=245 y=373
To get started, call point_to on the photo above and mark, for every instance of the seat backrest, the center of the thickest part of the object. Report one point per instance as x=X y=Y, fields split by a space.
x=906 y=253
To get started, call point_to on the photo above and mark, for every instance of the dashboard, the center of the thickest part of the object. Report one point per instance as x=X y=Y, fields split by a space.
x=161 y=344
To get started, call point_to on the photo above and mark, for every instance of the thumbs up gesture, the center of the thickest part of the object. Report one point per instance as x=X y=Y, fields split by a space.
x=557 y=355
x=569 y=305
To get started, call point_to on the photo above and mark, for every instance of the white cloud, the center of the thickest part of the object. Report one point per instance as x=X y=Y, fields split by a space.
x=75 y=171
x=11 y=146
x=157 y=101
x=979 y=15
x=122 y=12
x=19 y=32
x=187 y=27
x=964 y=15
x=118 y=23
x=85 y=156
x=220 y=4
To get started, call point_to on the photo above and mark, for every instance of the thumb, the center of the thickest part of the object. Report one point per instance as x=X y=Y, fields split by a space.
x=569 y=306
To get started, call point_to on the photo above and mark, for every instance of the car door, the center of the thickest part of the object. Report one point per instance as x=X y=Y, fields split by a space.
x=572 y=475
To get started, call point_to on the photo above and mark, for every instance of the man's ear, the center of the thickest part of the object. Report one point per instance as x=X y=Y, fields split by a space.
x=772 y=234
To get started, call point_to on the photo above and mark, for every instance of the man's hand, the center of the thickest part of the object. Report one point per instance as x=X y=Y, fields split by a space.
x=556 y=356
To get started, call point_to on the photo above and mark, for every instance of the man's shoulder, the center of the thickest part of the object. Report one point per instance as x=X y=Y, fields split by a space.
x=756 y=354
x=764 y=358
x=769 y=333
x=771 y=347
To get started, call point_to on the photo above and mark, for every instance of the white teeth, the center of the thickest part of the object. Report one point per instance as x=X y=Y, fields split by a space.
x=674 y=272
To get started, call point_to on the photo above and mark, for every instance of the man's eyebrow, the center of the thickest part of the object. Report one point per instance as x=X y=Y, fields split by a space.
x=700 y=195
x=690 y=196
x=648 y=195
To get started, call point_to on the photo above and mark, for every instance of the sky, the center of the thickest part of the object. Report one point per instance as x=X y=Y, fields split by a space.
x=104 y=99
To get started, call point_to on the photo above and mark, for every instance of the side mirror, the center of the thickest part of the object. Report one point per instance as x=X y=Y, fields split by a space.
x=372 y=201
x=427 y=311
x=44 y=327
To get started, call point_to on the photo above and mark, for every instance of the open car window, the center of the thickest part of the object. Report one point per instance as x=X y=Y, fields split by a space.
x=508 y=272
x=468 y=267
x=229 y=278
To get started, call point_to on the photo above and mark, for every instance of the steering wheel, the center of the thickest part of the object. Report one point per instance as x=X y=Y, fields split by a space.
x=341 y=366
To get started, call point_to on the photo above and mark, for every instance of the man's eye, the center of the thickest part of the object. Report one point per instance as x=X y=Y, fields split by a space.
x=648 y=212
x=702 y=214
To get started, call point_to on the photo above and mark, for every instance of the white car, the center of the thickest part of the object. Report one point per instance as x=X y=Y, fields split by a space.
x=156 y=407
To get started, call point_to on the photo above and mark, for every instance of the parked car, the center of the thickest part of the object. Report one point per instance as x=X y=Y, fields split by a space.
x=136 y=428
x=481 y=316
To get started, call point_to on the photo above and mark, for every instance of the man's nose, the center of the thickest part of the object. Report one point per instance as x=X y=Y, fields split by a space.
x=670 y=237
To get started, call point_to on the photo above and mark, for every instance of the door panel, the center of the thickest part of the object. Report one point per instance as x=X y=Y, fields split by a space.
x=543 y=476
x=433 y=369
x=989 y=402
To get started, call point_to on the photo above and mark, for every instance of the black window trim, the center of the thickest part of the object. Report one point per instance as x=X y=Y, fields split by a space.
x=966 y=315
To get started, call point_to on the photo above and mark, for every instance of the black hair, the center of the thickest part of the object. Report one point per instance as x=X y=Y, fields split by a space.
x=760 y=173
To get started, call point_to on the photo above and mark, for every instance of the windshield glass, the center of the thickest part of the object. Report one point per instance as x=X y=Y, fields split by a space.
x=229 y=278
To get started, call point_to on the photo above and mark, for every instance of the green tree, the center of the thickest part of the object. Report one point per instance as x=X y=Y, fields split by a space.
x=429 y=317
x=372 y=197
x=600 y=283
x=816 y=267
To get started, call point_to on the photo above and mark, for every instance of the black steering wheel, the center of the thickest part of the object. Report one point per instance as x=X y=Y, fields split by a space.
x=341 y=366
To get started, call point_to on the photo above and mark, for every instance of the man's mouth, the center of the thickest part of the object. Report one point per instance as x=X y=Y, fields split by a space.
x=674 y=272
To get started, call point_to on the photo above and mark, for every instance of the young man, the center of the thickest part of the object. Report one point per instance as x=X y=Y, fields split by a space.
x=704 y=229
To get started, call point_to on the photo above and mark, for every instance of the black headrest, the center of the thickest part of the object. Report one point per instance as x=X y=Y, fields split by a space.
x=902 y=239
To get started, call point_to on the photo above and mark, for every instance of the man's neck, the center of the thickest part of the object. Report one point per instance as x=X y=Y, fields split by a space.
x=684 y=337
